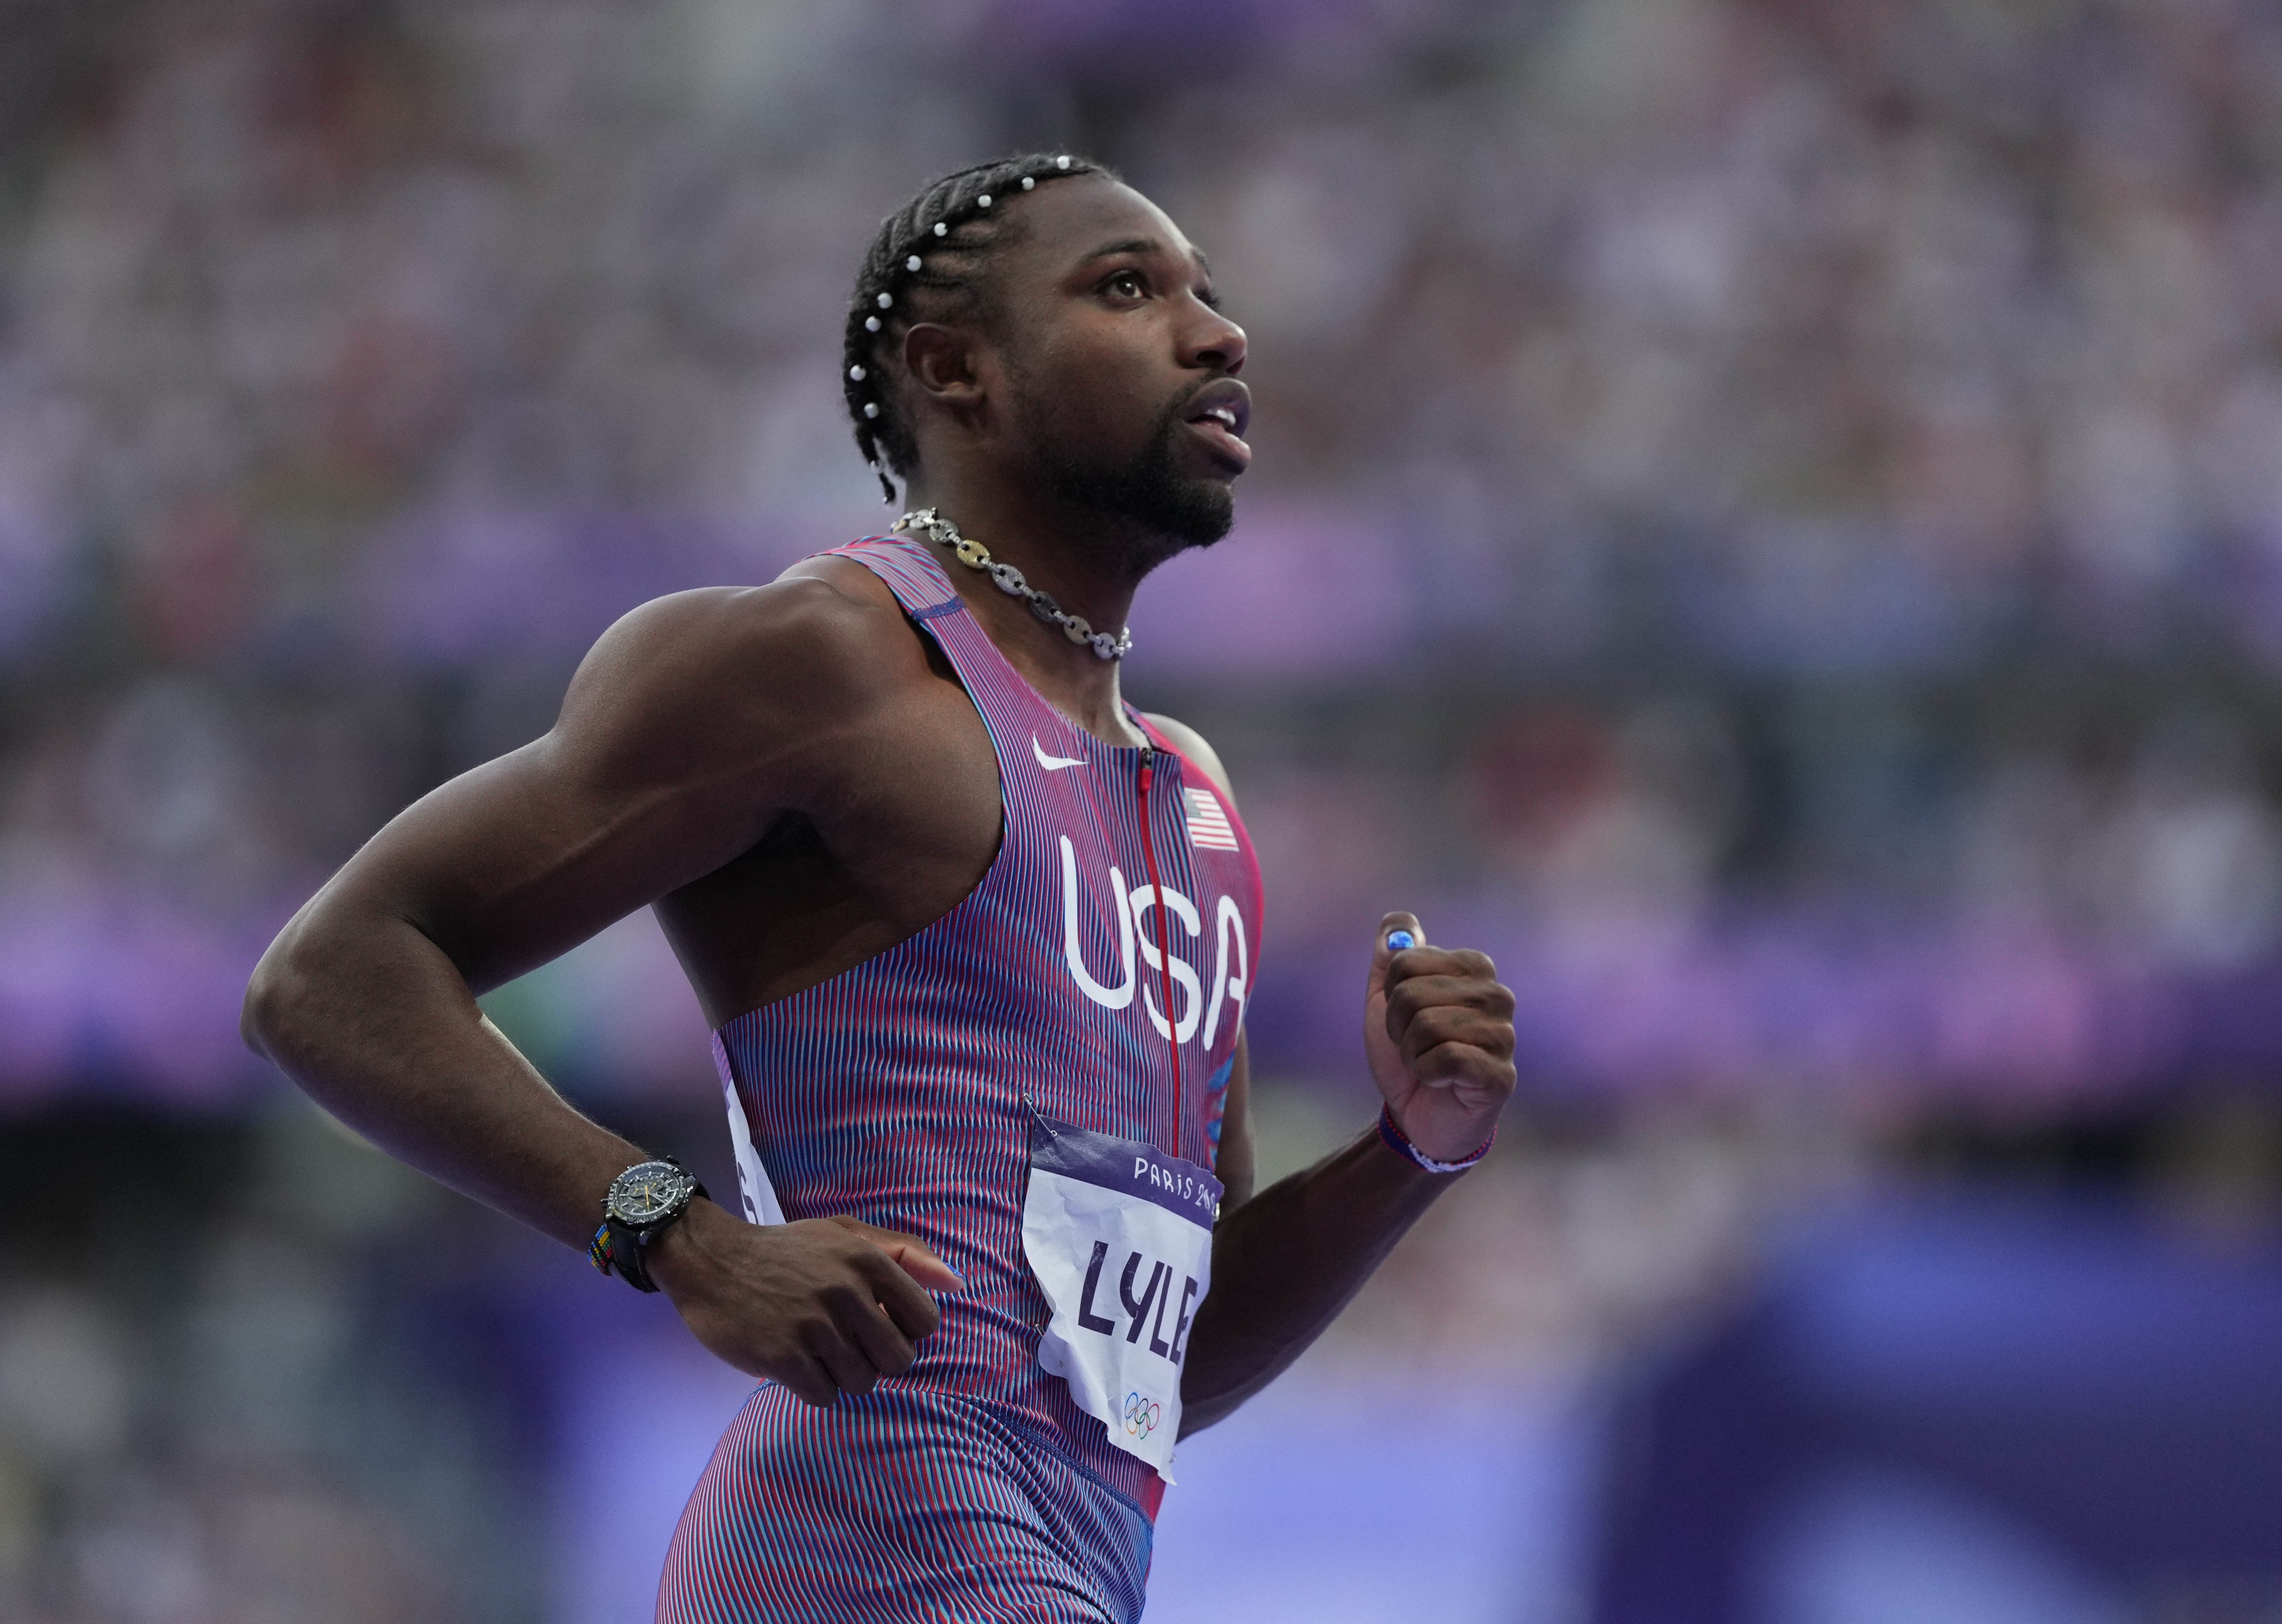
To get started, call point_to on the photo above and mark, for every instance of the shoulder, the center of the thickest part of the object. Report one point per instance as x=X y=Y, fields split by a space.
x=826 y=638
x=1194 y=746
x=821 y=607
x=825 y=621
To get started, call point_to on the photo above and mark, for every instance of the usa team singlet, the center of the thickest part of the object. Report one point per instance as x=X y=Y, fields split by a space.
x=903 y=1092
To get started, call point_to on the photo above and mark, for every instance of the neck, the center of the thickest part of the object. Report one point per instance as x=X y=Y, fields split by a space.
x=1083 y=562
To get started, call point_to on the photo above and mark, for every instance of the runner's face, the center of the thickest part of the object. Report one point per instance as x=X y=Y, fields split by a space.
x=1121 y=371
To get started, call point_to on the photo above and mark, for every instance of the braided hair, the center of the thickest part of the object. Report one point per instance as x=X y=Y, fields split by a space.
x=926 y=264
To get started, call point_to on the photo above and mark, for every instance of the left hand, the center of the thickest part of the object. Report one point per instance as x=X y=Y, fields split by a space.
x=1438 y=1032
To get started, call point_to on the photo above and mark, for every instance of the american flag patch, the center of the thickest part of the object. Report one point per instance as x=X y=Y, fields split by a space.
x=1208 y=825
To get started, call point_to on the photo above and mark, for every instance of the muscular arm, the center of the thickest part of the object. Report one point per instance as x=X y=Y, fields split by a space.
x=1286 y=1262
x=1439 y=1037
x=694 y=721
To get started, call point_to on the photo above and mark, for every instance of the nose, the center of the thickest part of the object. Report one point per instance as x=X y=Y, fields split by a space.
x=1214 y=342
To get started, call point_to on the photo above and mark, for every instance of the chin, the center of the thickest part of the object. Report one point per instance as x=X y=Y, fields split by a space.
x=1162 y=508
x=1157 y=495
x=1155 y=491
x=1201 y=515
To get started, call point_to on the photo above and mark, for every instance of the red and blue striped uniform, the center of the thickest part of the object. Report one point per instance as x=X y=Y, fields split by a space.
x=900 y=1092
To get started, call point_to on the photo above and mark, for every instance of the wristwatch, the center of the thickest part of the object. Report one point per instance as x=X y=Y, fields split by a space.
x=638 y=1205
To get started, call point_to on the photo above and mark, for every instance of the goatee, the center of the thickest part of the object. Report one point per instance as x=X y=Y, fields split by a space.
x=1165 y=509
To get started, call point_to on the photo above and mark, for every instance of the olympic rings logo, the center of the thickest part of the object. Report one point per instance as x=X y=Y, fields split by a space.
x=1143 y=1415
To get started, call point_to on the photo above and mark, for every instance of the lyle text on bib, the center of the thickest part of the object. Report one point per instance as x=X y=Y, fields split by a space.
x=1120 y=1237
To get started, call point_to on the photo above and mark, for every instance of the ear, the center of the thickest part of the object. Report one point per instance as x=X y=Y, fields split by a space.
x=942 y=362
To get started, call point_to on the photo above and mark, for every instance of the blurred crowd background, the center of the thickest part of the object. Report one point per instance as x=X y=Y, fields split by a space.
x=1768 y=519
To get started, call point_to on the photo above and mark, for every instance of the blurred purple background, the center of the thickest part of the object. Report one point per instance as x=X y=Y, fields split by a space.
x=1769 y=520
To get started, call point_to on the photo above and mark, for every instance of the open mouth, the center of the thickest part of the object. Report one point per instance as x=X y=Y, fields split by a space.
x=1220 y=414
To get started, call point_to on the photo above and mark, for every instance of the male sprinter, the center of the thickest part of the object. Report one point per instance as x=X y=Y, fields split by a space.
x=976 y=939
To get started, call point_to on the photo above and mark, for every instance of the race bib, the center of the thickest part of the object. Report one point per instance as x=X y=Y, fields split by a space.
x=1120 y=1235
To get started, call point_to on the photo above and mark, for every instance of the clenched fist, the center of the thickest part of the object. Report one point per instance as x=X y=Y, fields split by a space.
x=1439 y=1031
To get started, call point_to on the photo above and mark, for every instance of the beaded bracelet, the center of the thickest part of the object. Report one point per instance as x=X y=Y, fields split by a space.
x=1399 y=1142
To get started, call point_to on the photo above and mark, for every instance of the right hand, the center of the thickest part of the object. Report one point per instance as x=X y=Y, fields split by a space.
x=823 y=1307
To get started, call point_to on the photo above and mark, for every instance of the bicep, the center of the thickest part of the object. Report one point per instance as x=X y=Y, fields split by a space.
x=688 y=728
x=519 y=860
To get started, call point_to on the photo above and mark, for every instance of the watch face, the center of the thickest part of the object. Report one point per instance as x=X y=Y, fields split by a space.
x=646 y=1193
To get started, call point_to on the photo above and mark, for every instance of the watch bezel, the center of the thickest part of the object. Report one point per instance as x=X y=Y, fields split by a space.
x=683 y=1185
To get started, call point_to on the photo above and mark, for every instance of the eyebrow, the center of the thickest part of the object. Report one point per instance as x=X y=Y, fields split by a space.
x=1141 y=244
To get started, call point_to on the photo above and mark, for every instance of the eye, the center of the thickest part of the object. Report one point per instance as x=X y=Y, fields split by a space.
x=1126 y=284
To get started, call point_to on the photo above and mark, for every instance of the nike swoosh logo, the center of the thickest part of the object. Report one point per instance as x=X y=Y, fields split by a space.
x=1053 y=764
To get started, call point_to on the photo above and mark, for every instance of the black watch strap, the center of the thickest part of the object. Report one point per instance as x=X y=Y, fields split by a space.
x=628 y=1246
x=626 y=1256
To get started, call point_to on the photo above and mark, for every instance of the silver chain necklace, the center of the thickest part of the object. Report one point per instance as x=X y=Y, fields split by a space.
x=975 y=555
